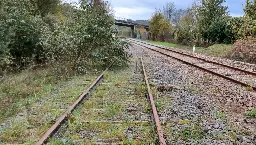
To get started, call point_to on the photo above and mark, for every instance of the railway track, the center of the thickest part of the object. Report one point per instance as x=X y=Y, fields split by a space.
x=140 y=128
x=62 y=119
x=234 y=74
x=189 y=112
x=154 y=109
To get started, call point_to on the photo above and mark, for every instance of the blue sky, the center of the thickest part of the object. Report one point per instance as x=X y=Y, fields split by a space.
x=143 y=9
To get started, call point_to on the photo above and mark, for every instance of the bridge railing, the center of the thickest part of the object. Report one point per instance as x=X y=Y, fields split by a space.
x=128 y=21
x=120 y=18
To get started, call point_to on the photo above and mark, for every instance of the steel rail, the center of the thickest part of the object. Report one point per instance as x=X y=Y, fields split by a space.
x=203 y=59
x=64 y=116
x=155 y=114
x=202 y=68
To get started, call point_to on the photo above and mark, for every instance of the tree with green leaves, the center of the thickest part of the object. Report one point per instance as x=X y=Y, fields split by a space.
x=160 y=27
x=85 y=39
x=186 y=28
x=209 y=13
x=249 y=25
x=250 y=9
x=45 y=7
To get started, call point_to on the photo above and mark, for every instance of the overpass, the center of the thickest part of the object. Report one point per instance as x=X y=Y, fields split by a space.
x=131 y=24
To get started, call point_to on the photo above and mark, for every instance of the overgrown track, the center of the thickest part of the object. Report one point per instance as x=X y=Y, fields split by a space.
x=60 y=129
x=154 y=110
x=61 y=120
x=234 y=74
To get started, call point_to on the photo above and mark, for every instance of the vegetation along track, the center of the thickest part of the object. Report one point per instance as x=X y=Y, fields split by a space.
x=116 y=113
x=154 y=110
x=57 y=124
x=234 y=74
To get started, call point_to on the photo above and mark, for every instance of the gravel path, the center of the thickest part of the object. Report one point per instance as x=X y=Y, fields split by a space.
x=197 y=107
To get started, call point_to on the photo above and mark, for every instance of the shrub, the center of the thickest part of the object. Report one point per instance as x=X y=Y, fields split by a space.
x=220 y=31
x=160 y=27
x=245 y=50
x=20 y=34
x=78 y=40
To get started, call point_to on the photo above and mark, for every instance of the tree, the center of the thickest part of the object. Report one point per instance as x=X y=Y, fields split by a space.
x=45 y=7
x=169 y=10
x=178 y=14
x=209 y=12
x=237 y=27
x=249 y=25
x=250 y=9
x=172 y=14
x=186 y=28
x=83 y=40
x=160 y=27
x=220 y=31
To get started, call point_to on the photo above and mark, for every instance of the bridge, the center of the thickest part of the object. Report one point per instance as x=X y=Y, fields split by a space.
x=125 y=22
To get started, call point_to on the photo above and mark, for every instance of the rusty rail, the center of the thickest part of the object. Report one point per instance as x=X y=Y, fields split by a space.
x=155 y=114
x=202 y=68
x=203 y=59
x=57 y=124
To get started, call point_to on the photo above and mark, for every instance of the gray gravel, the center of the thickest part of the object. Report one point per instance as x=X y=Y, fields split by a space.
x=238 y=64
x=237 y=75
x=202 y=110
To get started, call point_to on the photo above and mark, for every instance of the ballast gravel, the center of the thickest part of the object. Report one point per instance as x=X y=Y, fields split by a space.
x=202 y=109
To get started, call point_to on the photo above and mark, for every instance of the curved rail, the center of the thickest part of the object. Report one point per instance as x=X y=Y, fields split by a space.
x=202 y=68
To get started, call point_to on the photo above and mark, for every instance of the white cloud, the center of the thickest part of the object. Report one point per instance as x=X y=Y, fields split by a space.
x=133 y=13
x=143 y=9
x=236 y=14
x=70 y=1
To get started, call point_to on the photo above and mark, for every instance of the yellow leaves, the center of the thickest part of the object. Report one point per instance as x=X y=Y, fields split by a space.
x=159 y=25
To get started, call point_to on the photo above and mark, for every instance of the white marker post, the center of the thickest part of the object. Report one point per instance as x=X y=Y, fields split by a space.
x=194 y=49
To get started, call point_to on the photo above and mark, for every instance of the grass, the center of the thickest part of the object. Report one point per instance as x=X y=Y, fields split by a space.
x=106 y=115
x=251 y=113
x=249 y=88
x=188 y=130
x=163 y=43
x=19 y=89
x=193 y=90
x=192 y=133
x=216 y=50
x=221 y=115
x=40 y=116
x=113 y=109
x=161 y=102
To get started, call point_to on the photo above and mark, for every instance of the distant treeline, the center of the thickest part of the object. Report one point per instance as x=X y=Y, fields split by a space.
x=205 y=23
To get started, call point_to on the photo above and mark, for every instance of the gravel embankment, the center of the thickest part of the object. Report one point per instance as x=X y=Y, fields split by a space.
x=199 y=108
x=231 y=73
x=238 y=64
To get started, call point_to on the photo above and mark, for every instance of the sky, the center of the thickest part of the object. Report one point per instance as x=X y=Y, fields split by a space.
x=144 y=9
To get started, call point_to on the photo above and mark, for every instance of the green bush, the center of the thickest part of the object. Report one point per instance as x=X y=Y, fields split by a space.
x=20 y=34
x=78 y=39
x=86 y=39
x=220 y=31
